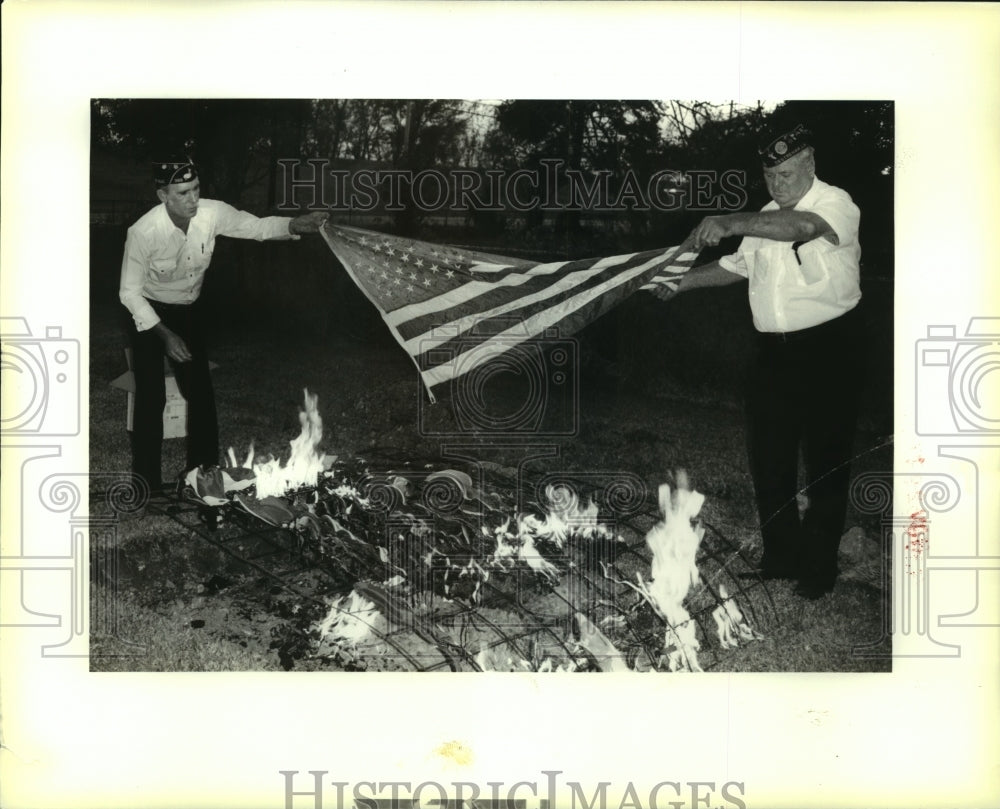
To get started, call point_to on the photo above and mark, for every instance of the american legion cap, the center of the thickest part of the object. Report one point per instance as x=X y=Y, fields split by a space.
x=167 y=172
x=785 y=146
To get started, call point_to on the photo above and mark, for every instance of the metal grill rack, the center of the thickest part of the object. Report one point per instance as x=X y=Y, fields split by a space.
x=516 y=613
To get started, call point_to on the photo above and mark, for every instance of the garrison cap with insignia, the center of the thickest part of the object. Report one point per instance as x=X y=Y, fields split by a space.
x=168 y=172
x=785 y=146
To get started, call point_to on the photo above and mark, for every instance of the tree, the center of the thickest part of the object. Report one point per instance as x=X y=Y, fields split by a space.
x=234 y=141
x=588 y=136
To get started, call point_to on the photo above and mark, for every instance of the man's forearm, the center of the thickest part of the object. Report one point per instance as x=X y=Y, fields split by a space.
x=707 y=275
x=161 y=330
x=781 y=226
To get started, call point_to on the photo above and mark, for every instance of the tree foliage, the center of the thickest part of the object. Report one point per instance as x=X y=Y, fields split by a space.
x=234 y=141
x=417 y=133
x=590 y=135
x=237 y=143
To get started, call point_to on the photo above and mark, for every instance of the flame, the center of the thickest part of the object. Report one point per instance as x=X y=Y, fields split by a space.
x=521 y=546
x=674 y=543
x=350 y=620
x=304 y=463
x=597 y=643
x=548 y=666
x=247 y=464
x=490 y=659
x=730 y=624
x=566 y=518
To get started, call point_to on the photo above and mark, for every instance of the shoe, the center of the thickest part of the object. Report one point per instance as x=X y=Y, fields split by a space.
x=209 y=517
x=811 y=590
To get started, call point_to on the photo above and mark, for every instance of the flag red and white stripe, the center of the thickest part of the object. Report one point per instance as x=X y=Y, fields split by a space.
x=453 y=309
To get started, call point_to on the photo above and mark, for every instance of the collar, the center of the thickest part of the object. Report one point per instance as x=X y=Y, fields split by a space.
x=166 y=225
x=810 y=197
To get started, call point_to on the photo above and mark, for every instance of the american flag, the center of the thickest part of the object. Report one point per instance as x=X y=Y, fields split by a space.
x=453 y=309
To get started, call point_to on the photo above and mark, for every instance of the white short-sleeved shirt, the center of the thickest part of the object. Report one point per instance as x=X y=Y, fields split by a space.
x=789 y=293
x=162 y=263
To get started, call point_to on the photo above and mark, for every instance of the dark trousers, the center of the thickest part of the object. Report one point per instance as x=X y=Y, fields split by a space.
x=195 y=385
x=803 y=396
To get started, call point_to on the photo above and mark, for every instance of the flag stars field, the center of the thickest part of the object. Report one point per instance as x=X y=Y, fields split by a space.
x=423 y=288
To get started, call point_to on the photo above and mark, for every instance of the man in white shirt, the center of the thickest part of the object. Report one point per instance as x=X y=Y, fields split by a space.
x=167 y=252
x=801 y=256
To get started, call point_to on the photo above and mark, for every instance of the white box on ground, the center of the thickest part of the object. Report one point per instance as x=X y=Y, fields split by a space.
x=175 y=410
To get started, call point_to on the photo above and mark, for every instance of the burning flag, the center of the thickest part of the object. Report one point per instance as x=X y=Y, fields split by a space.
x=521 y=545
x=271 y=479
x=453 y=310
x=212 y=485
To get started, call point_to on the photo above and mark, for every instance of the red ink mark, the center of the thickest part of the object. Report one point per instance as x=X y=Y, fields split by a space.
x=917 y=533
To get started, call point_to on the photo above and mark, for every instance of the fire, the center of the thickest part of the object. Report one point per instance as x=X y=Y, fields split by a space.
x=521 y=545
x=730 y=624
x=490 y=659
x=564 y=520
x=350 y=620
x=674 y=543
x=597 y=643
x=565 y=517
x=304 y=463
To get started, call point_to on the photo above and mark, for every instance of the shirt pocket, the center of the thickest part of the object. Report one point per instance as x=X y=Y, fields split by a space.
x=774 y=266
x=812 y=285
x=812 y=265
x=200 y=253
x=163 y=269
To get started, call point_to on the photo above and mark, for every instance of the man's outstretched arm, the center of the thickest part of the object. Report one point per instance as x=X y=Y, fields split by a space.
x=308 y=223
x=712 y=274
x=781 y=226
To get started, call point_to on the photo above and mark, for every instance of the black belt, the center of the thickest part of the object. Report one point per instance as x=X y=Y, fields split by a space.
x=830 y=326
x=161 y=305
